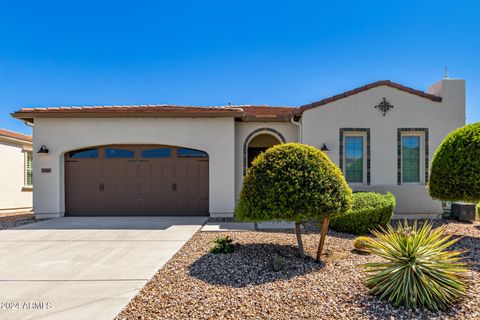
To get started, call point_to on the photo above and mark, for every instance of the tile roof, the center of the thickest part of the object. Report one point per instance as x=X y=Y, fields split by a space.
x=372 y=85
x=240 y=112
x=251 y=112
x=15 y=135
x=130 y=108
x=267 y=111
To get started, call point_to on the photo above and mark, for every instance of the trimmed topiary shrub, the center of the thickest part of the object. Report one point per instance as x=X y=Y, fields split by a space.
x=293 y=182
x=370 y=210
x=455 y=169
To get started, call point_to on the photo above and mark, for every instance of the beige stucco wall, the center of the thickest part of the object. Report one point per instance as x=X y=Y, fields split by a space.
x=224 y=139
x=242 y=131
x=13 y=196
x=322 y=124
x=213 y=135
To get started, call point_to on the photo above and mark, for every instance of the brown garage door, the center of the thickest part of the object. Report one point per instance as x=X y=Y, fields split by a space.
x=136 y=180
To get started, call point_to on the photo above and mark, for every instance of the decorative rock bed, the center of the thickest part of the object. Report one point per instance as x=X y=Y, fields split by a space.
x=15 y=219
x=195 y=284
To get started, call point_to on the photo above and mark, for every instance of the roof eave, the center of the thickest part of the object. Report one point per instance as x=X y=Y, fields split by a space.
x=31 y=115
x=15 y=140
x=369 y=86
x=266 y=118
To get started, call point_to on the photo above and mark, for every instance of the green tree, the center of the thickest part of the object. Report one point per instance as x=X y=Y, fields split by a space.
x=455 y=169
x=294 y=182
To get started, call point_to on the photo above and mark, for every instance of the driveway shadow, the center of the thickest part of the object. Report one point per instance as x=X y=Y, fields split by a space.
x=248 y=265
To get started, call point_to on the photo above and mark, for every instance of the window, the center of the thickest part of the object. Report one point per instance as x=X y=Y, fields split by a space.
x=84 y=153
x=119 y=153
x=183 y=152
x=411 y=159
x=28 y=169
x=354 y=159
x=157 y=153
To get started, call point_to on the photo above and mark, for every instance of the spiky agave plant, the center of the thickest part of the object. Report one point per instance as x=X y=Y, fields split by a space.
x=418 y=271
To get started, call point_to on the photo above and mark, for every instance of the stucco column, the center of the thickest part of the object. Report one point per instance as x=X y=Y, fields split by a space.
x=222 y=174
x=46 y=184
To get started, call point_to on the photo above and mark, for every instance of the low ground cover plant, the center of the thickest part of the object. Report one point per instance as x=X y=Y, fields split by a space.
x=370 y=210
x=418 y=271
x=275 y=263
x=360 y=243
x=294 y=182
x=222 y=245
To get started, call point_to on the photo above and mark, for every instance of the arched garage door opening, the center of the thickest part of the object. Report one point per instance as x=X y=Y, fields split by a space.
x=136 y=180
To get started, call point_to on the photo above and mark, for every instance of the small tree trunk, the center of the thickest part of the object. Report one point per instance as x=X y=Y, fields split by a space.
x=298 y=233
x=323 y=235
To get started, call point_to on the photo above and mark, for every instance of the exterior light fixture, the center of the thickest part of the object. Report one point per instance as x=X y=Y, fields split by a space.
x=43 y=149
x=324 y=148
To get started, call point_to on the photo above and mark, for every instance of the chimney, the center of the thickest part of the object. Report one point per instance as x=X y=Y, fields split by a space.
x=452 y=92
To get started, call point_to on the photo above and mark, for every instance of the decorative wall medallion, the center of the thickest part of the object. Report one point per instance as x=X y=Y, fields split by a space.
x=384 y=106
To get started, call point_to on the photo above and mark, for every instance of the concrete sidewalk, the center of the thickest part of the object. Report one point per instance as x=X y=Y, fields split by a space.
x=84 y=268
x=246 y=226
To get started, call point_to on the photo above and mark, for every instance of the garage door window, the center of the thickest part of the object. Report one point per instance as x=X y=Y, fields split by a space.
x=119 y=153
x=84 y=154
x=157 y=153
x=183 y=152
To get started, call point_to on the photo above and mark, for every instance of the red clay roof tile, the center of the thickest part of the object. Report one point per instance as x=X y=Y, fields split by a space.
x=15 y=135
x=366 y=87
x=237 y=111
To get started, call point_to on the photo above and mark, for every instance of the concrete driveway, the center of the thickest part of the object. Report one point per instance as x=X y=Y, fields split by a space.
x=84 y=268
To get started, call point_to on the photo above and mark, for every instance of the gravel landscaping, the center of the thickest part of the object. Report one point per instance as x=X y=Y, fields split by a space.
x=16 y=219
x=195 y=284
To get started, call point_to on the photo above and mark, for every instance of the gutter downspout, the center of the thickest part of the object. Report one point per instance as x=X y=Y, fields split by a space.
x=300 y=131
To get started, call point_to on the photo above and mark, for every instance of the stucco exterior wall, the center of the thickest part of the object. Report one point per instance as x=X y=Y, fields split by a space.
x=322 y=125
x=243 y=129
x=13 y=195
x=223 y=139
x=213 y=135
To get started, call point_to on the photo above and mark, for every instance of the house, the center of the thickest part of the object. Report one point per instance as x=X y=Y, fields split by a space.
x=190 y=160
x=15 y=171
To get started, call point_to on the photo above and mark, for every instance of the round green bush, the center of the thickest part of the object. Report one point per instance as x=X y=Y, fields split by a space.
x=293 y=182
x=455 y=169
x=370 y=210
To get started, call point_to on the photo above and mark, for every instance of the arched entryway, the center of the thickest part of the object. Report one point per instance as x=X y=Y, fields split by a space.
x=257 y=142
x=258 y=145
x=142 y=180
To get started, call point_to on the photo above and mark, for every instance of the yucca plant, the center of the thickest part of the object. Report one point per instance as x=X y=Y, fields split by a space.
x=418 y=271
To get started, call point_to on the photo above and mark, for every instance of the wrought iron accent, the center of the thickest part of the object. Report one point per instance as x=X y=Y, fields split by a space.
x=384 y=106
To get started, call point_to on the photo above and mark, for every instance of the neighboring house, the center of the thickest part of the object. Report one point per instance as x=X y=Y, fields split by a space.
x=15 y=171
x=185 y=160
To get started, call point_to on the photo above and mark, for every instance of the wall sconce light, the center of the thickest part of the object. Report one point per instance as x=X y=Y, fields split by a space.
x=43 y=149
x=324 y=148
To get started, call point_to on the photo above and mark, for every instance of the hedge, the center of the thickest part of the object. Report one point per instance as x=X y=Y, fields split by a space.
x=370 y=210
x=455 y=169
x=293 y=182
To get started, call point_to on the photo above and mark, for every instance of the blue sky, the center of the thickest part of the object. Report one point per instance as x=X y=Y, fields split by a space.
x=213 y=52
